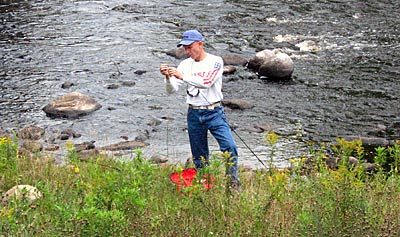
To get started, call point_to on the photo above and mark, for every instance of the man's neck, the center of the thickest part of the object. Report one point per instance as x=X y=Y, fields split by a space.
x=202 y=56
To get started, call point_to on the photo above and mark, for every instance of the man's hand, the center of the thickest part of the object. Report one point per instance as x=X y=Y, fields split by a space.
x=170 y=71
x=164 y=69
x=175 y=73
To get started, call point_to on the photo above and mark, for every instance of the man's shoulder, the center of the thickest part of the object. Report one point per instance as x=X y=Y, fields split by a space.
x=214 y=57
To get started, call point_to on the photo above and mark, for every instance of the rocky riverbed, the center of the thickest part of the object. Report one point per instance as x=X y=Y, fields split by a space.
x=345 y=79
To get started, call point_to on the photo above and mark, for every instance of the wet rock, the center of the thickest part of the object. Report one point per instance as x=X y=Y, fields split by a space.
x=71 y=105
x=21 y=192
x=370 y=144
x=370 y=141
x=158 y=159
x=353 y=162
x=112 y=86
x=369 y=167
x=279 y=67
x=393 y=130
x=31 y=132
x=154 y=122
x=32 y=145
x=125 y=145
x=237 y=104
x=142 y=137
x=3 y=133
x=260 y=57
x=71 y=133
x=229 y=70
x=253 y=129
x=128 y=83
x=128 y=8
x=234 y=60
x=332 y=163
x=140 y=72
x=63 y=137
x=378 y=131
x=178 y=53
x=167 y=117
x=67 y=85
x=85 y=146
x=272 y=64
x=51 y=147
x=264 y=127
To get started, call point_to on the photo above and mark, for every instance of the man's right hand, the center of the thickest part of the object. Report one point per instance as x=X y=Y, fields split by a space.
x=164 y=69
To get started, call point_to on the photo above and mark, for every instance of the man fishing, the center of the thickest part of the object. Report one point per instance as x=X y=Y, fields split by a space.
x=202 y=73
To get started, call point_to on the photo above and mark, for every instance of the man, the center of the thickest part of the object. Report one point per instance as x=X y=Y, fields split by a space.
x=202 y=72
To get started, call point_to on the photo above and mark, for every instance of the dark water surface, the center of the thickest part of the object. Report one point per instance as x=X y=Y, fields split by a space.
x=347 y=84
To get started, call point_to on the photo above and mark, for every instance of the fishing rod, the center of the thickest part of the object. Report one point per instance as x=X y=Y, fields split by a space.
x=234 y=131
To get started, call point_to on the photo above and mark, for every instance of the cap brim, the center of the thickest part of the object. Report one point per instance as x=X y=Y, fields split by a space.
x=185 y=42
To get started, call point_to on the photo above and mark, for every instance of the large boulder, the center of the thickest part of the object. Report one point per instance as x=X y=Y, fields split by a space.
x=71 y=105
x=272 y=64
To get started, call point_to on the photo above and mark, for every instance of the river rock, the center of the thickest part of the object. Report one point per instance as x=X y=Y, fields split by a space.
x=125 y=145
x=158 y=159
x=237 y=104
x=31 y=132
x=71 y=133
x=178 y=53
x=393 y=130
x=84 y=146
x=260 y=57
x=31 y=146
x=67 y=85
x=3 y=134
x=370 y=142
x=229 y=69
x=234 y=60
x=19 y=192
x=281 y=66
x=71 y=105
x=272 y=64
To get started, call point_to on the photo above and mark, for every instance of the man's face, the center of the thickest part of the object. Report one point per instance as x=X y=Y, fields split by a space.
x=194 y=50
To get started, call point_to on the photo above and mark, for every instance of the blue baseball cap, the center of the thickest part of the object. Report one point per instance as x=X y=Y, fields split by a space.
x=189 y=37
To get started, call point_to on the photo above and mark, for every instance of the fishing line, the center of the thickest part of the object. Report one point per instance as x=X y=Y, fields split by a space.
x=234 y=131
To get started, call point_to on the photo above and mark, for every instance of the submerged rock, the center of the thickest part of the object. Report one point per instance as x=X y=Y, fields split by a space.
x=71 y=105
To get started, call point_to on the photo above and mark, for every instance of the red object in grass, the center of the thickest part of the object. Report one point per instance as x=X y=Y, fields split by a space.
x=208 y=180
x=185 y=179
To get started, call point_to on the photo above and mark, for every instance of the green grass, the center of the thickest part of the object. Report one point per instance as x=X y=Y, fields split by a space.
x=111 y=197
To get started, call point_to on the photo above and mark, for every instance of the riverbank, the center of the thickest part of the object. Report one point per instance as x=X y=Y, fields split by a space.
x=105 y=197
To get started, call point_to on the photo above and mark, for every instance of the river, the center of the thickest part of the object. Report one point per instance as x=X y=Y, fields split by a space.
x=346 y=84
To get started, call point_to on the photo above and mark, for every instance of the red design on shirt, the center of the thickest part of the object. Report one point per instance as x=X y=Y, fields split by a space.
x=210 y=78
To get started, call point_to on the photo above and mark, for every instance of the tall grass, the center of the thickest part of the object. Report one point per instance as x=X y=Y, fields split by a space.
x=111 y=197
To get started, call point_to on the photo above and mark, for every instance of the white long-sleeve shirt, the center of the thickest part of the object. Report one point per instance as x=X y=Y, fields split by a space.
x=205 y=76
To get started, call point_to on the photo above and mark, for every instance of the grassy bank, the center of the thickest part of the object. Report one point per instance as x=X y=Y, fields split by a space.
x=107 y=197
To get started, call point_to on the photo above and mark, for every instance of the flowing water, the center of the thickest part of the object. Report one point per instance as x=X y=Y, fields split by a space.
x=346 y=84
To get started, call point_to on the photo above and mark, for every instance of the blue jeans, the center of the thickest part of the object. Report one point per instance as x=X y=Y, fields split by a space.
x=202 y=120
